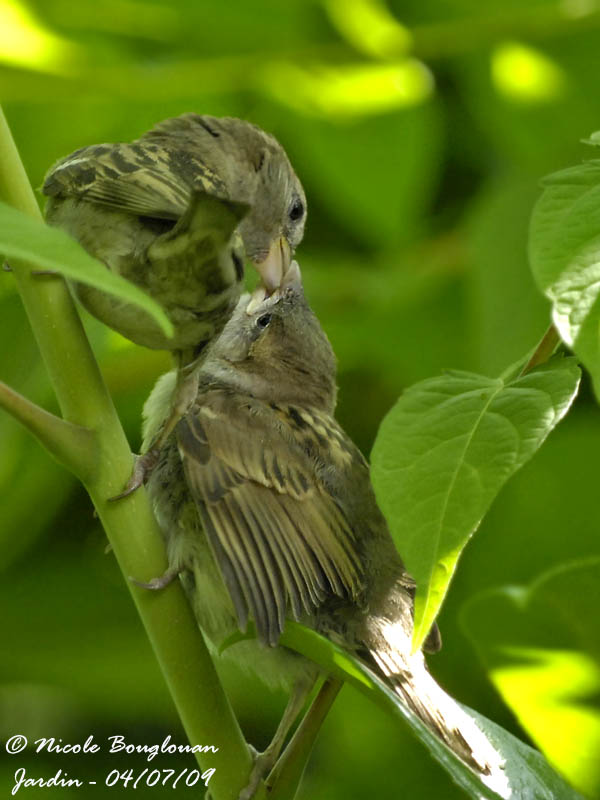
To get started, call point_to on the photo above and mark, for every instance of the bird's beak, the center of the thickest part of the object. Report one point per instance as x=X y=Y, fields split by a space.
x=260 y=297
x=292 y=278
x=275 y=265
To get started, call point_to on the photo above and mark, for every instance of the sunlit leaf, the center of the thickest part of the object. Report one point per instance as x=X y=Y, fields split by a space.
x=524 y=74
x=564 y=249
x=593 y=139
x=349 y=90
x=444 y=452
x=370 y=27
x=22 y=237
x=541 y=646
x=26 y=42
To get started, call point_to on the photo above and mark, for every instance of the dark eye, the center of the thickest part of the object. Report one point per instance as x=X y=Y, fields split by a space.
x=263 y=321
x=296 y=212
x=158 y=225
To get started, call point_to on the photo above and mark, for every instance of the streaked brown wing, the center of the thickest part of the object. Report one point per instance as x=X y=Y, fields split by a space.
x=145 y=178
x=280 y=539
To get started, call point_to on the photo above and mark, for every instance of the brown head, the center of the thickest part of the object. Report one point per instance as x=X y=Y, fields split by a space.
x=254 y=169
x=274 y=348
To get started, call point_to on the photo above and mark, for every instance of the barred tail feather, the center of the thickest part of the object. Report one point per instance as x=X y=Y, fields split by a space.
x=408 y=676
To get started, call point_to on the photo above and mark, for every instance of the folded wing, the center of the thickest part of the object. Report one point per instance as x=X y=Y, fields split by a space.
x=281 y=541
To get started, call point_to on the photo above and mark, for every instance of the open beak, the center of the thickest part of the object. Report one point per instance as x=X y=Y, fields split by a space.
x=292 y=279
x=275 y=265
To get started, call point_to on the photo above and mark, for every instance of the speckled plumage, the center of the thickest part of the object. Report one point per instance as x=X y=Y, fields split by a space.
x=176 y=212
x=268 y=512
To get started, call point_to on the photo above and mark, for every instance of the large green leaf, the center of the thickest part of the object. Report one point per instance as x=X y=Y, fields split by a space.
x=541 y=646
x=526 y=774
x=564 y=249
x=22 y=237
x=444 y=452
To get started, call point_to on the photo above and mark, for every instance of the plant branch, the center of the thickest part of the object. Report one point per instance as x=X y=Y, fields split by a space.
x=546 y=347
x=130 y=525
x=286 y=774
x=73 y=371
x=70 y=444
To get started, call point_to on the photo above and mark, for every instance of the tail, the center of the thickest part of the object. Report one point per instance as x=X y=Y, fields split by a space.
x=408 y=676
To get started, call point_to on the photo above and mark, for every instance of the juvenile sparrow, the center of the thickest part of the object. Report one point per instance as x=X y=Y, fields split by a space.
x=268 y=514
x=149 y=210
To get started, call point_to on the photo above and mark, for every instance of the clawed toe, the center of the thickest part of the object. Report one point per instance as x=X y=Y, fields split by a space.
x=263 y=764
x=155 y=584
x=142 y=469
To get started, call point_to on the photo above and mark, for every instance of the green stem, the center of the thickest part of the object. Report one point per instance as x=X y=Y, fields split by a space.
x=287 y=773
x=15 y=188
x=69 y=444
x=546 y=347
x=64 y=347
x=130 y=525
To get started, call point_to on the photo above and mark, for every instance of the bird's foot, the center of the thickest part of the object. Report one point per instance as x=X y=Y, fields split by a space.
x=160 y=582
x=263 y=764
x=142 y=469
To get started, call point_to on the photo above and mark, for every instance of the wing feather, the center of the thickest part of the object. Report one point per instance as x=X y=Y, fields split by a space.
x=230 y=570
x=291 y=572
x=273 y=586
x=281 y=540
x=145 y=177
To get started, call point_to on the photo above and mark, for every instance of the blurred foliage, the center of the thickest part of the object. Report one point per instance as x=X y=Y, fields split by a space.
x=421 y=131
x=542 y=648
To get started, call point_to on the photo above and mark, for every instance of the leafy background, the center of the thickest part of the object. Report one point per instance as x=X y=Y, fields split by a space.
x=421 y=131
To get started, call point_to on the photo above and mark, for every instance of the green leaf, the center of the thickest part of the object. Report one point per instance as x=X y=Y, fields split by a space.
x=526 y=772
x=564 y=250
x=444 y=452
x=22 y=237
x=541 y=647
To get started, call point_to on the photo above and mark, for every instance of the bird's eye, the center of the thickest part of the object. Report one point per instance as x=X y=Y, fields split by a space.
x=263 y=321
x=296 y=212
x=157 y=225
